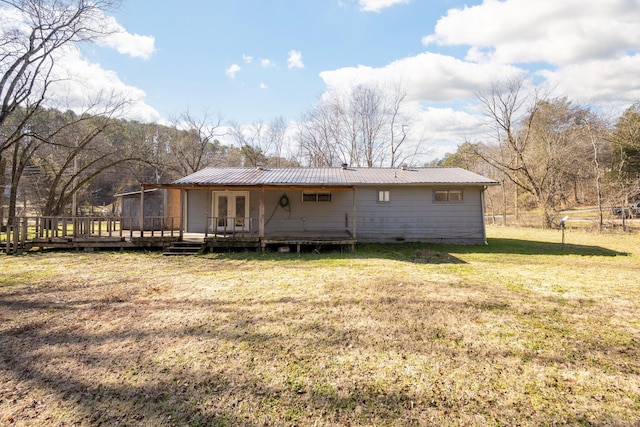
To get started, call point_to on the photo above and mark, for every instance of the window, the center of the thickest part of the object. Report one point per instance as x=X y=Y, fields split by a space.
x=384 y=196
x=447 y=196
x=441 y=195
x=455 y=195
x=316 y=197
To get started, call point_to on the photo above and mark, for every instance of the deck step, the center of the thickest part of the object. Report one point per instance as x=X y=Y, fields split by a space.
x=184 y=248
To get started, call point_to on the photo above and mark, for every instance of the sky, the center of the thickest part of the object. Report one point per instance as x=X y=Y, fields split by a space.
x=255 y=60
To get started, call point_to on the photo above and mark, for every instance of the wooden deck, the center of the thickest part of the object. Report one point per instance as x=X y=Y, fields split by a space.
x=109 y=234
x=310 y=238
x=296 y=240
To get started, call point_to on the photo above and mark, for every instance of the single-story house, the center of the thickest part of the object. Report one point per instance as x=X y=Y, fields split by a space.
x=363 y=204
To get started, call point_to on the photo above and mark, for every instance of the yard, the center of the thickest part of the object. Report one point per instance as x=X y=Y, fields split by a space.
x=520 y=332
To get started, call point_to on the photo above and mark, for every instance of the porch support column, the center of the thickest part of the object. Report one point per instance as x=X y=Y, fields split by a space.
x=482 y=213
x=142 y=211
x=355 y=218
x=261 y=215
x=182 y=218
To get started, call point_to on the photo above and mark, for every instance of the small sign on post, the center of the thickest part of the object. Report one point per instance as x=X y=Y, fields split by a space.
x=563 y=222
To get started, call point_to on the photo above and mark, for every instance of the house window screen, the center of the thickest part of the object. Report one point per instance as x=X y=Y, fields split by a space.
x=316 y=197
x=448 y=196
x=455 y=195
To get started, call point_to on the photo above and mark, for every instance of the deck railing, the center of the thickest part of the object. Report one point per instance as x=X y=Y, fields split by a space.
x=231 y=227
x=37 y=228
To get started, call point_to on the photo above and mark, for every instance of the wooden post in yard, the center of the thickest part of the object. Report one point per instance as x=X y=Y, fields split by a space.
x=16 y=235
x=23 y=242
x=8 y=245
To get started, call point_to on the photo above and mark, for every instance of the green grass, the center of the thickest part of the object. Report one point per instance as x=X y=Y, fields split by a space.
x=524 y=331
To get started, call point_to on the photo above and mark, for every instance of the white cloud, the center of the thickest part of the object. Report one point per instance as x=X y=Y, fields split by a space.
x=428 y=77
x=378 y=5
x=134 y=45
x=266 y=63
x=263 y=86
x=233 y=70
x=295 y=59
x=601 y=82
x=556 y=32
x=79 y=84
x=247 y=59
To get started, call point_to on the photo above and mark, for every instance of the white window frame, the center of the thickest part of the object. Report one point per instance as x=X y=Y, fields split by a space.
x=384 y=196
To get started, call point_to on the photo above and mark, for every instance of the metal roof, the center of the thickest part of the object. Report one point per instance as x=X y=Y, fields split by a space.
x=332 y=177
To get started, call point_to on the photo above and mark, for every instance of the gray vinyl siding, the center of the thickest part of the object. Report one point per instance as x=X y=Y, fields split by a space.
x=308 y=216
x=413 y=215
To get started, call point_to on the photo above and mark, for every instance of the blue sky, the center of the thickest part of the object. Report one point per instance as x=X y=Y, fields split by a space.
x=255 y=60
x=197 y=44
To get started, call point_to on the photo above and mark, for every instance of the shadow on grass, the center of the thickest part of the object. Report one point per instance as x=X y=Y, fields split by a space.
x=437 y=253
x=427 y=253
x=530 y=247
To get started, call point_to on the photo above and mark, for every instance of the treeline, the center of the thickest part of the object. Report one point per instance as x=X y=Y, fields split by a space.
x=550 y=154
x=61 y=160
x=55 y=162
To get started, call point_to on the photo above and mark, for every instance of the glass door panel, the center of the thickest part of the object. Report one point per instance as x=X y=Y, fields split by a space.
x=241 y=207
x=222 y=212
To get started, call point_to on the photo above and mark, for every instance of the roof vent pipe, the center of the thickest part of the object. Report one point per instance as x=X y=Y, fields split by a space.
x=404 y=167
x=345 y=165
x=259 y=166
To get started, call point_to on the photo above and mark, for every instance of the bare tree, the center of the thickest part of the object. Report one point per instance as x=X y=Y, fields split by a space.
x=29 y=43
x=318 y=137
x=276 y=134
x=539 y=144
x=71 y=150
x=364 y=126
x=592 y=159
x=194 y=142
x=399 y=123
x=255 y=142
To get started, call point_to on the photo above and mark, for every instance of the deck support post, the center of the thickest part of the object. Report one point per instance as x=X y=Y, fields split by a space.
x=261 y=214
x=183 y=223
x=354 y=213
x=142 y=211
x=482 y=213
x=261 y=220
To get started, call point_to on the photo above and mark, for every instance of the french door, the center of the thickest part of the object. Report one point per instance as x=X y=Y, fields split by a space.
x=231 y=210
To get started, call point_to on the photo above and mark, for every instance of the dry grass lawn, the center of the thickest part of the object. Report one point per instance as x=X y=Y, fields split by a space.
x=519 y=332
